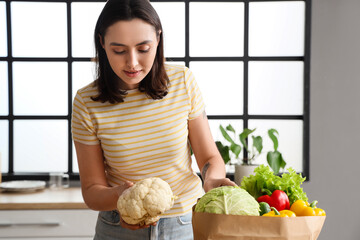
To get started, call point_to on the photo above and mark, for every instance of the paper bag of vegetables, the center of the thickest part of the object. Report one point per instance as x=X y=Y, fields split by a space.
x=234 y=212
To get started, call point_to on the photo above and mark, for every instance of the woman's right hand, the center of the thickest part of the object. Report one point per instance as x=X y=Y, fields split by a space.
x=133 y=227
x=122 y=187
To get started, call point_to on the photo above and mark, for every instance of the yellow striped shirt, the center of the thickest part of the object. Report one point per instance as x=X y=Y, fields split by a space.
x=142 y=137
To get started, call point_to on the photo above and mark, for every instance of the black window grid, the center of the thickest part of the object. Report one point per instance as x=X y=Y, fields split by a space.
x=245 y=117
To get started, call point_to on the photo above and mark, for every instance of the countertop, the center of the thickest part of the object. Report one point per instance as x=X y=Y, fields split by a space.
x=68 y=198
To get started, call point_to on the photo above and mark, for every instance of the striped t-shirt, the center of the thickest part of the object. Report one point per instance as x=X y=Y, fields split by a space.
x=142 y=137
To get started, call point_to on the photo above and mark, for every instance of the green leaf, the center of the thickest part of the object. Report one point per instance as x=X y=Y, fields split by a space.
x=264 y=178
x=283 y=163
x=236 y=149
x=230 y=128
x=257 y=142
x=226 y=135
x=224 y=151
x=291 y=183
x=244 y=135
x=275 y=161
x=274 y=138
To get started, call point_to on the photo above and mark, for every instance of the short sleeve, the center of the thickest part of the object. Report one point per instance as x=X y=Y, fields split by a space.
x=82 y=128
x=196 y=101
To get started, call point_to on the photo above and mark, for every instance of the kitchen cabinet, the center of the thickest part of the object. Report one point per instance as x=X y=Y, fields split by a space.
x=47 y=223
x=48 y=214
x=53 y=238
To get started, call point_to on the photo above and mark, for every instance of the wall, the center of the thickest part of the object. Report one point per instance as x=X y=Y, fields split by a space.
x=335 y=116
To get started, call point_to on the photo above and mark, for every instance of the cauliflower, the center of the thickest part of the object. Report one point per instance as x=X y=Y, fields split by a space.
x=145 y=201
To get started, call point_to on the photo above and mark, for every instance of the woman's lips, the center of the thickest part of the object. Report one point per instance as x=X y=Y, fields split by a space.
x=132 y=73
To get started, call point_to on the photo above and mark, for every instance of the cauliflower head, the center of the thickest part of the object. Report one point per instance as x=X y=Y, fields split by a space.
x=145 y=201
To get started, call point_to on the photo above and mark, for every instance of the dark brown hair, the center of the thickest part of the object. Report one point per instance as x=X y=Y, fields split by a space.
x=156 y=82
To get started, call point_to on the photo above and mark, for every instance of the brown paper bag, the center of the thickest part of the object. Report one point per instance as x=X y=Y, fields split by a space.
x=230 y=227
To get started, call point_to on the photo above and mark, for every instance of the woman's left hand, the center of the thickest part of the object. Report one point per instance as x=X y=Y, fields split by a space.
x=211 y=183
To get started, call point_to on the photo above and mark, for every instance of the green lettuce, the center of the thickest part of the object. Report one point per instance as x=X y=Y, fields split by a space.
x=264 y=181
x=228 y=200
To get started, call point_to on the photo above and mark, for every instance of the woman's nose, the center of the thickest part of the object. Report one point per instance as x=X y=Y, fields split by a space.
x=132 y=60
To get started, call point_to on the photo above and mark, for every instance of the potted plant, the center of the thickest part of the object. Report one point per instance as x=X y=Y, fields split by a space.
x=244 y=165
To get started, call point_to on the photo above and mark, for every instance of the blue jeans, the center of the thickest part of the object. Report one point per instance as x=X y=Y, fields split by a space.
x=177 y=228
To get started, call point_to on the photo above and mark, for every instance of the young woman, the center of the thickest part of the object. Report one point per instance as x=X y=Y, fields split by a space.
x=137 y=120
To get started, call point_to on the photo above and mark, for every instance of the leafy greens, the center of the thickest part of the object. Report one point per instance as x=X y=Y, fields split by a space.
x=265 y=181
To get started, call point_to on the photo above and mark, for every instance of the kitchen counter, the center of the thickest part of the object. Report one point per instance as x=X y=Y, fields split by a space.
x=68 y=198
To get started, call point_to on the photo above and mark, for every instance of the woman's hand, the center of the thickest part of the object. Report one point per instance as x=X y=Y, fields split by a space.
x=122 y=187
x=211 y=183
x=134 y=227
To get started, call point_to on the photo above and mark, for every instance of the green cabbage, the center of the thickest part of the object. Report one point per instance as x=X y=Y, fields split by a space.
x=228 y=200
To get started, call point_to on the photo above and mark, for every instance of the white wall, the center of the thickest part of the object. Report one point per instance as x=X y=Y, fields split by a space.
x=335 y=116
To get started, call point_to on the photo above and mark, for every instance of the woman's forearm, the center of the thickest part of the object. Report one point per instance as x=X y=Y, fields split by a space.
x=100 y=198
x=213 y=168
x=214 y=175
x=97 y=193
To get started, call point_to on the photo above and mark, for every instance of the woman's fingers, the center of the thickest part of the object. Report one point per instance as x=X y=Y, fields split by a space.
x=133 y=227
x=217 y=182
x=122 y=187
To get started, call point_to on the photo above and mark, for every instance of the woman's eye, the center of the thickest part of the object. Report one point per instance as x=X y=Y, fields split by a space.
x=119 y=52
x=144 y=50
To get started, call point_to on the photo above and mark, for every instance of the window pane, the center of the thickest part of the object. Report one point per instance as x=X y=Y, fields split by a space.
x=221 y=84
x=40 y=145
x=83 y=74
x=40 y=88
x=276 y=28
x=3 y=32
x=172 y=16
x=276 y=88
x=4 y=104
x=175 y=63
x=39 y=29
x=215 y=131
x=83 y=20
x=212 y=31
x=4 y=145
x=290 y=140
x=215 y=128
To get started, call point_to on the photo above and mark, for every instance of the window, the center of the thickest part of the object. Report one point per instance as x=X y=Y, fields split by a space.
x=250 y=59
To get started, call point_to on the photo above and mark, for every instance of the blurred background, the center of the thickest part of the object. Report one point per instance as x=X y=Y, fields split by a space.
x=289 y=65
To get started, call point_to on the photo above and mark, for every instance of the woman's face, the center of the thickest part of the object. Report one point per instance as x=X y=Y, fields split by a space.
x=130 y=47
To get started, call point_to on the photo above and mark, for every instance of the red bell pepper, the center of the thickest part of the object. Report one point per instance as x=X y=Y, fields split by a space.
x=278 y=199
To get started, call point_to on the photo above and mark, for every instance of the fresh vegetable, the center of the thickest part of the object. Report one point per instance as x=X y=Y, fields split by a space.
x=228 y=200
x=282 y=213
x=264 y=208
x=143 y=202
x=278 y=200
x=265 y=181
x=319 y=212
x=303 y=208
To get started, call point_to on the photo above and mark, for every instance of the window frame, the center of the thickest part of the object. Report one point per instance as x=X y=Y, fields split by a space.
x=245 y=117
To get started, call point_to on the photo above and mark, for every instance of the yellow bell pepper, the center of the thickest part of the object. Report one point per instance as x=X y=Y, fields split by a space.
x=319 y=212
x=303 y=208
x=282 y=213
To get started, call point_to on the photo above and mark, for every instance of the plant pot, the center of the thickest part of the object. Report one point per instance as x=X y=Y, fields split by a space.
x=243 y=171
